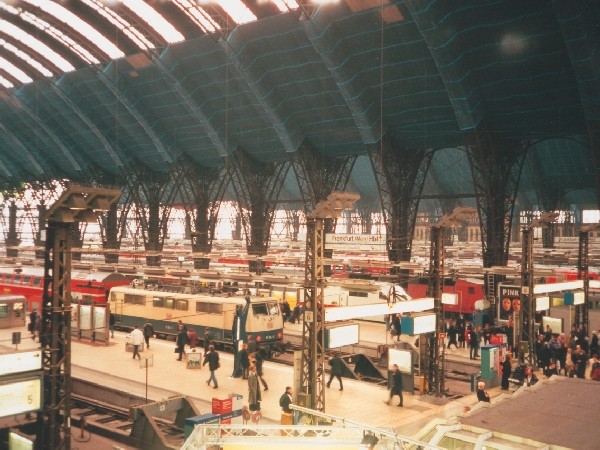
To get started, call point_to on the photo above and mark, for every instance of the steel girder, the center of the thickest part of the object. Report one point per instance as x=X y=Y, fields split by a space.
x=55 y=429
x=318 y=176
x=313 y=346
x=400 y=176
x=153 y=195
x=257 y=186
x=526 y=317
x=435 y=366
x=496 y=168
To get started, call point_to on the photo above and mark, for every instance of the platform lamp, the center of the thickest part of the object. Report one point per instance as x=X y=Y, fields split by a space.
x=524 y=319
x=436 y=378
x=312 y=387
x=76 y=204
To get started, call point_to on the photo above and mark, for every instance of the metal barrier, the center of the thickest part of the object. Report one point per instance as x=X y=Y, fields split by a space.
x=338 y=431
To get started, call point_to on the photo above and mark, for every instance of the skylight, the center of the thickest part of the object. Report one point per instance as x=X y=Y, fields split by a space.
x=154 y=19
x=70 y=19
x=14 y=71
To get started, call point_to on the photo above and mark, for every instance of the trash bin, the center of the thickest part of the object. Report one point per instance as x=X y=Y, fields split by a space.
x=286 y=419
x=193 y=359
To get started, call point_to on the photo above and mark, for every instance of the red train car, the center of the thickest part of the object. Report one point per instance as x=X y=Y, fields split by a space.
x=468 y=290
x=86 y=287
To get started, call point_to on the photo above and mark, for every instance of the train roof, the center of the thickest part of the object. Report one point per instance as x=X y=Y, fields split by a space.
x=218 y=298
x=75 y=274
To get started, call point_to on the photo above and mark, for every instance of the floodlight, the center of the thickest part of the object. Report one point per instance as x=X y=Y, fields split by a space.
x=76 y=202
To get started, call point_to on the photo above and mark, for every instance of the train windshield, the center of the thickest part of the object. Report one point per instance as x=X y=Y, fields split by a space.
x=266 y=309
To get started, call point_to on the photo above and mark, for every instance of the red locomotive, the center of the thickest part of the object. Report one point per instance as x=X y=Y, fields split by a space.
x=468 y=290
x=91 y=288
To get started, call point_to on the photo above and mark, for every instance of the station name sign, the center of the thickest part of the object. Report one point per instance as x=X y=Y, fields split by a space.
x=355 y=241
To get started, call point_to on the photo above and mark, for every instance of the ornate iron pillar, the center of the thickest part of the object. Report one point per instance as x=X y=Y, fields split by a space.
x=257 y=186
x=400 y=176
x=111 y=234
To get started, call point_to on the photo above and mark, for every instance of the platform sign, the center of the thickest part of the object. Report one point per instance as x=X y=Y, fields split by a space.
x=20 y=397
x=555 y=324
x=449 y=299
x=20 y=362
x=336 y=337
x=403 y=358
x=418 y=324
x=542 y=303
x=368 y=242
x=352 y=312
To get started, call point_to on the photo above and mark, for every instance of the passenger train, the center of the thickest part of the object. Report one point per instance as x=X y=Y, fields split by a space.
x=90 y=288
x=164 y=310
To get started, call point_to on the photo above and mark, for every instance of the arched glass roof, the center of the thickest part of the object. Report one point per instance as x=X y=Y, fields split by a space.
x=89 y=85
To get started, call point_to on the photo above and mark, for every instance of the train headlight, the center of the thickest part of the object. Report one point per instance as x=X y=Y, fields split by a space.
x=279 y=335
x=259 y=339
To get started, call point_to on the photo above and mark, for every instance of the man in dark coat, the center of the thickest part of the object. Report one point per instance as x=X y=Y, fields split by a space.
x=337 y=369
x=181 y=341
x=148 y=333
x=506 y=369
x=473 y=343
x=396 y=388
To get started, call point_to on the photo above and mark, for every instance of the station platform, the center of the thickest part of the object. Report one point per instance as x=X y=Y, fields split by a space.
x=110 y=364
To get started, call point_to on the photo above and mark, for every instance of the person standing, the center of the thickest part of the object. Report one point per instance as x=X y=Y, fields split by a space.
x=148 y=333
x=452 y=335
x=473 y=343
x=506 y=369
x=460 y=331
x=396 y=326
x=337 y=369
x=258 y=362
x=212 y=359
x=208 y=337
x=192 y=337
x=286 y=400
x=482 y=394
x=137 y=339
x=244 y=361
x=254 y=395
x=396 y=387
x=181 y=341
x=111 y=323
x=579 y=359
x=31 y=326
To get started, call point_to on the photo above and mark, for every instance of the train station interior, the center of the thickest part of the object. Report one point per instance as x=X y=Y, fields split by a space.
x=204 y=163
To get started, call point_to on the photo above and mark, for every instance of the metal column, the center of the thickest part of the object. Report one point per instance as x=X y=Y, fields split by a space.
x=55 y=339
x=312 y=376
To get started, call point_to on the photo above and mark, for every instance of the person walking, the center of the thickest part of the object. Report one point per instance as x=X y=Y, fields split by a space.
x=258 y=362
x=137 y=339
x=148 y=333
x=244 y=361
x=396 y=387
x=286 y=400
x=506 y=369
x=181 y=341
x=337 y=369
x=254 y=395
x=212 y=359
